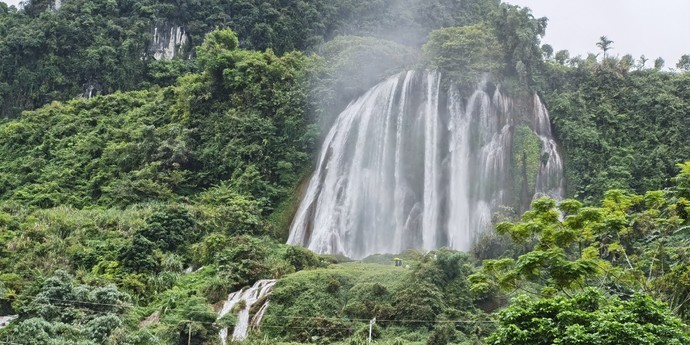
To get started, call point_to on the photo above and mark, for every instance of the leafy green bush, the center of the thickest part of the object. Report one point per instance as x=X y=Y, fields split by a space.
x=301 y=258
x=170 y=228
x=588 y=318
x=62 y=312
x=137 y=257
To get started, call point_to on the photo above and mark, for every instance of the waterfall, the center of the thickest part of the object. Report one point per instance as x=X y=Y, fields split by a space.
x=550 y=180
x=5 y=320
x=413 y=164
x=250 y=296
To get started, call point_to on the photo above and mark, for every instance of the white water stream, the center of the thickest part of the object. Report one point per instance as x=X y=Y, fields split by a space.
x=413 y=164
x=250 y=296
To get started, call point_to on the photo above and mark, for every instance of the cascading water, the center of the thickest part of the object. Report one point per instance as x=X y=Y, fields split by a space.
x=550 y=181
x=5 y=320
x=250 y=296
x=411 y=164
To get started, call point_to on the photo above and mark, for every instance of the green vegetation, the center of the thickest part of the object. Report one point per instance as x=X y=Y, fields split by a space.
x=337 y=303
x=126 y=217
x=629 y=243
x=526 y=161
x=588 y=318
x=465 y=52
x=243 y=119
x=620 y=127
x=132 y=188
x=104 y=46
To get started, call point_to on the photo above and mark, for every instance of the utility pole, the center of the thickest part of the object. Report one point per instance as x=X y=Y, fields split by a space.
x=371 y=325
x=189 y=338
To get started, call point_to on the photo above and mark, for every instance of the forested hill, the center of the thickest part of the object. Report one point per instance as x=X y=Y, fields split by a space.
x=621 y=125
x=87 y=47
x=153 y=154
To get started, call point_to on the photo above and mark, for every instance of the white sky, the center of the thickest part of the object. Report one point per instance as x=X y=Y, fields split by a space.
x=11 y=2
x=653 y=28
x=659 y=28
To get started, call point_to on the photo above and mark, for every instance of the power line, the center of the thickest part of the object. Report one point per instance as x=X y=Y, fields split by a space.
x=123 y=305
x=273 y=316
x=316 y=318
x=383 y=320
x=335 y=327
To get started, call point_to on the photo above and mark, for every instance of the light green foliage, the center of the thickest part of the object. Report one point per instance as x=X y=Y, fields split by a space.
x=217 y=44
x=588 y=318
x=170 y=228
x=199 y=172
x=106 y=246
x=105 y=150
x=301 y=258
x=628 y=243
x=229 y=210
x=196 y=313
x=244 y=260
x=554 y=262
x=683 y=180
x=466 y=53
x=334 y=303
x=243 y=123
x=329 y=298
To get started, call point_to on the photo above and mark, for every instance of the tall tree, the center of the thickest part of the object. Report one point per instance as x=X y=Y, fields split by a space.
x=684 y=63
x=643 y=61
x=547 y=49
x=604 y=44
x=562 y=56
x=659 y=63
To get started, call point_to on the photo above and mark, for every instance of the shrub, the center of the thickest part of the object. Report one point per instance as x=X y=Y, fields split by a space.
x=588 y=318
x=301 y=258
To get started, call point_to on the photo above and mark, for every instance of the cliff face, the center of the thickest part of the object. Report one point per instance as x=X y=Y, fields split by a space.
x=169 y=41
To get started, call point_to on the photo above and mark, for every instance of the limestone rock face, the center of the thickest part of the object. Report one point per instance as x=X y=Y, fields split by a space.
x=168 y=42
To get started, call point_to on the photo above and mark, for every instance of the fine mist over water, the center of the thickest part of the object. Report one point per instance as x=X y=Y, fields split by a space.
x=414 y=164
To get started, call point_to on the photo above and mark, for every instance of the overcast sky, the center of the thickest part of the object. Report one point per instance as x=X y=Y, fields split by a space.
x=659 y=28
x=11 y=2
x=653 y=28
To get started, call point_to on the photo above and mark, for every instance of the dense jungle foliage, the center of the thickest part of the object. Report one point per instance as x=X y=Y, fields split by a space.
x=620 y=126
x=127 y=217
x=103 y=45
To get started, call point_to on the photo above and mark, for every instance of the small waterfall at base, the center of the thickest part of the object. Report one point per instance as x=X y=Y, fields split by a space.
x=250 y=296
x=5 y=320
x=414 y=164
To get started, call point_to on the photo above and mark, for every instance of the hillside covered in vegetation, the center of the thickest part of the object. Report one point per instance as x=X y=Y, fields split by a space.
x=129 y=212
